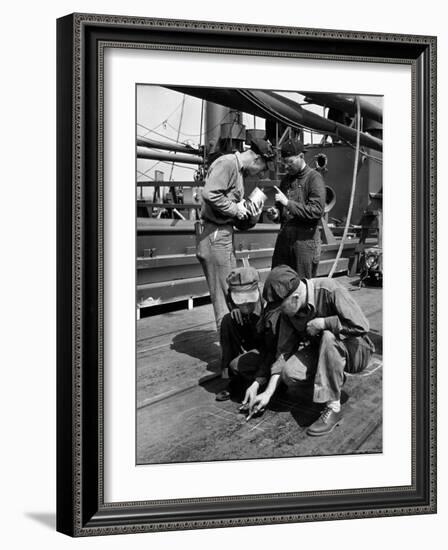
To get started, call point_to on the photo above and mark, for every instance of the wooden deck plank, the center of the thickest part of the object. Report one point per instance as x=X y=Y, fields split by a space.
x=192 y=427
x=180 y=365
x=169 y=323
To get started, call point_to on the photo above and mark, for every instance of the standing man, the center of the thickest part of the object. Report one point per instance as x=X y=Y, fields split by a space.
x=222 y=207
x=300 y=205
x=322 y=312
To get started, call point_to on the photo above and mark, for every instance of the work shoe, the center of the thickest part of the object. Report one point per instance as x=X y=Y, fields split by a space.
x=327 y=421
x=233 y=389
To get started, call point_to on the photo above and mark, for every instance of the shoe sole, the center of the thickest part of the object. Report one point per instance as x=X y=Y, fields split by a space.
x=223 y=396
x=320 y=434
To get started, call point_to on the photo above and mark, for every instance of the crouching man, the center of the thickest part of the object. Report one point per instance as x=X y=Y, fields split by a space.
x=247 y=338
x=322 y=312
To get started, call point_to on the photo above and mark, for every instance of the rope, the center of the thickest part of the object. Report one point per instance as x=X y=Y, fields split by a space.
x=150 y=168
x=352 y=196
x=158 y=133
x=178 y=132
x=364 y=154
x=144 y=174
x=164 y=120
x=202 y=133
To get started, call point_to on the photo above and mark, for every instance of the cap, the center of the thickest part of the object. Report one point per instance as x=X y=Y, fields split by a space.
x=292 y=148
x=281 y=282
x=263 y=148
x=243 y=285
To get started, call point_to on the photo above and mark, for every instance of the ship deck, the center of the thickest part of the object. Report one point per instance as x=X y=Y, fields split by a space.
x=179 y=419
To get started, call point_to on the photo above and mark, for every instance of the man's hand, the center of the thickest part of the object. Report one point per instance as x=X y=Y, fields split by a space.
x=242 y=211
x=273 y=213
x=237 y=316
x=249 y=397
x=254 y=210
x=315 y=326
x=259 y=404
x=280 y=196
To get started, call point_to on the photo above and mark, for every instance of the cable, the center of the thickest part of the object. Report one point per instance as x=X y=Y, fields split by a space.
x=165 y=119
x=144 y=174
x=202 y=133
x=352 y=195
x=158 y=133
x=178 y=132
x=151 y=167
x=364 y=154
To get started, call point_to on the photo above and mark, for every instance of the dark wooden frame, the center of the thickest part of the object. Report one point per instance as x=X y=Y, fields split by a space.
x=81 y=510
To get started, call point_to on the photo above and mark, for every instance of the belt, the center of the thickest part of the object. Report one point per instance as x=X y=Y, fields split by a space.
x=224 y=224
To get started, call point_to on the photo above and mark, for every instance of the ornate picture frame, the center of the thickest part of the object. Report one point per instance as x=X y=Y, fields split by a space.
x=81 y=506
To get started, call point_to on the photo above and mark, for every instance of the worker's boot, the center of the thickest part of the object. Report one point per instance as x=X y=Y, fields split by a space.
x=327 y=421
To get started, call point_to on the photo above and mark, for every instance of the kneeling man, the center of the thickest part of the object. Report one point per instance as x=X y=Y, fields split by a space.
x=322 y=312
x=247 y=336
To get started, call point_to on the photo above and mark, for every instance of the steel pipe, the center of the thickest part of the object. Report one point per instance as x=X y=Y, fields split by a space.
x=345 y=104
x=273 y=106
x=164 y=146
x=144 y=153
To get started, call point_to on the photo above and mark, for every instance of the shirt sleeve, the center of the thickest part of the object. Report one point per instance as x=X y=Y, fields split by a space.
x=349 y=319
x=219 y=179
x=314 y=205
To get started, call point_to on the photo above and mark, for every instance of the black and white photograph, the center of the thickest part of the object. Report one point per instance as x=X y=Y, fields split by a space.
x=259 y=271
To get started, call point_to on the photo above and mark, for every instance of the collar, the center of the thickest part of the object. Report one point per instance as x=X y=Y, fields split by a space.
x=310 y=303
x=238 y=161
x=302 y=172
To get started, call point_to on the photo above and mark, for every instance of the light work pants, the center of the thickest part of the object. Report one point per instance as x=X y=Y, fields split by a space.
x=215 y=251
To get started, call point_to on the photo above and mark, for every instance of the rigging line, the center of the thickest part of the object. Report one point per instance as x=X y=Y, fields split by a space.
x=178 y=165
x=202 y=133
x=165 y=119
x=375 y=159
x=153 y=129
x=178 y=132
x=158 y=133
x=144 y=174
x=150 y=168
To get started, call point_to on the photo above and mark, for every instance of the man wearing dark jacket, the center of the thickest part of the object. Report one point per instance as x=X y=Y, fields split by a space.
x=300 y=204
x=248 y=336
x=324 y=313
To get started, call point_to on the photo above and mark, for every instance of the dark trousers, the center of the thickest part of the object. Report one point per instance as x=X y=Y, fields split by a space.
x=215 y=251
x=299 y=248
x=236 y=340
x=326 y=362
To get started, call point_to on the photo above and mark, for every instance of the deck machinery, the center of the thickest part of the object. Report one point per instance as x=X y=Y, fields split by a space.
x=167 y=267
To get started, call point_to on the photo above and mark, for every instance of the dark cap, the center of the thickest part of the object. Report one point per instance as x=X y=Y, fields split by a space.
x=243 y=285
x=281 y=282
x=263 y=148
x=292 y=148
